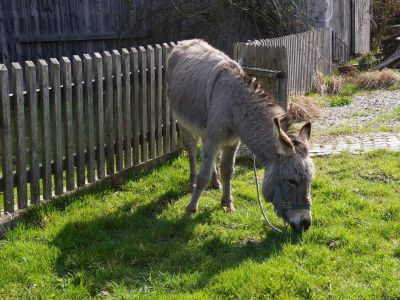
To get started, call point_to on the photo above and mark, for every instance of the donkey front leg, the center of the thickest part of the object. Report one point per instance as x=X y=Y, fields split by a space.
x=227 y=164
x=209 y=153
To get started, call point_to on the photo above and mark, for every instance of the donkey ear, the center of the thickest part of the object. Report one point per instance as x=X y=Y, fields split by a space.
x=305 y=132
x=284 y=145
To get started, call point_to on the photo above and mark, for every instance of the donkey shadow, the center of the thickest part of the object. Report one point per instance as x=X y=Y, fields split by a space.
x=138 y=242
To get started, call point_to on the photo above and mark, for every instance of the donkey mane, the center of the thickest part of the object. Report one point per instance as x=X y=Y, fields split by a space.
x=251 y=82
x=265 y=102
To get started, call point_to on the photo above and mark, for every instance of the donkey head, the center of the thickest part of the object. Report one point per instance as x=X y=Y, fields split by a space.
x=287 y=181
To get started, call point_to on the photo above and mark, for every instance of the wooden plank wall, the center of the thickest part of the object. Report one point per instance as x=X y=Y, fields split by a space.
x=349 y=21
x=307 y=53
x=33 y=29
x=80 y=118
x=255 y=57
x=362 y=27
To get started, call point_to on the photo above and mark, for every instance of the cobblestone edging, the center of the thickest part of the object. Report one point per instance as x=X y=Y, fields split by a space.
x=354 y=143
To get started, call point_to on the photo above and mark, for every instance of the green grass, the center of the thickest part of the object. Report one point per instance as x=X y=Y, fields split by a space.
x=138 y=243
x=395 y=86
x=339 y=100
x=380 y=123
x=349 y=89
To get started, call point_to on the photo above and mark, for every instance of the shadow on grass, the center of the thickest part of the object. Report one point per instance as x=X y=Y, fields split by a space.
x=135 y=245
x=139 y=243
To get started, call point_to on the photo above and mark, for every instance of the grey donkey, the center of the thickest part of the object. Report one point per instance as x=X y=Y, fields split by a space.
x=214 y=99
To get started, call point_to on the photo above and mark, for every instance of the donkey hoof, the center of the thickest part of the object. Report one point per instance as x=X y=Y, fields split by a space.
x=228 y=207
x=191 y=209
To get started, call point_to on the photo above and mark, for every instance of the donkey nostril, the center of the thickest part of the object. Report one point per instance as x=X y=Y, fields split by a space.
x=306 y=223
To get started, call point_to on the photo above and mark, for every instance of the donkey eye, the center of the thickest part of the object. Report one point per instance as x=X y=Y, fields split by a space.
x=292 y=182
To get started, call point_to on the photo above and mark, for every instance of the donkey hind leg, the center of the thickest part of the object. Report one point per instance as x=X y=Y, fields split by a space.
x=209 y=153
x=215 y=183
x=189 y=143
x=227 y=164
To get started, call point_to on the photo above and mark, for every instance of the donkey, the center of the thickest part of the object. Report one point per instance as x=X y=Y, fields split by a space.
x=214 y=99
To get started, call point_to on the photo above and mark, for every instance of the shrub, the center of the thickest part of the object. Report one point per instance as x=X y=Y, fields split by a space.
x=349 y=89
x=303 y=109
x=328 y=85
x=339 y=100
x=377 y=79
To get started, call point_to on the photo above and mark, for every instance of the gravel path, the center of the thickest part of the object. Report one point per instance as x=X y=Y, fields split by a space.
x=364 y=108
x=362 y=112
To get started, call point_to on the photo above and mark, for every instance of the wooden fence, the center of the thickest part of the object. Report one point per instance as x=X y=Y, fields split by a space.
x=307 y=53
x=270 y=73
x=67 y=123
x=350 y=23
x=32 y=29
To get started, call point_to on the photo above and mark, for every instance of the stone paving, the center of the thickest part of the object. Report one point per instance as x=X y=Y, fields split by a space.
x=354 y=143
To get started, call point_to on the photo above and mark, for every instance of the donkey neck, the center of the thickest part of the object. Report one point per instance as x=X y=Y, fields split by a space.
x=256 y=128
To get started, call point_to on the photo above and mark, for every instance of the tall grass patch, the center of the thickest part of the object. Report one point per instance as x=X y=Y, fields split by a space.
x=377 y=79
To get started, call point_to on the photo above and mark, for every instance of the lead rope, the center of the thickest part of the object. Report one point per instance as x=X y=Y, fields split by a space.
x=259 y=199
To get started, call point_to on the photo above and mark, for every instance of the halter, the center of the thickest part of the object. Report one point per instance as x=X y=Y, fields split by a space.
x=286 y=204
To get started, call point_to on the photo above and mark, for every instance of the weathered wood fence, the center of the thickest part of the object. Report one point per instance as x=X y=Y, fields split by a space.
x=350 y=23
x=299 y=56
x=65 y=124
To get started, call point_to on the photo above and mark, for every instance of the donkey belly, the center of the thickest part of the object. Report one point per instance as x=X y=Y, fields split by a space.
x=189 y=115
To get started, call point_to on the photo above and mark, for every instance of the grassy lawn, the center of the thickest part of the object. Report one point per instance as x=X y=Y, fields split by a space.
x=137 y=242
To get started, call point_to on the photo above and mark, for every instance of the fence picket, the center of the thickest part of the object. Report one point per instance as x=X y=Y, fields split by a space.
x=143 y=103
x=46 y=137
x=69 y=126
x=79 y=120
x=88 y=78
x=173 y=122
x=135 y=105
x=166 y=105
x=151 y=101
x=99 y=88
x=30 y=78
x=56 y=124
x=126 y=104
x=118 y=109
x=159 y=95
x=109 y=112
x=6 y=141
x=18 y=90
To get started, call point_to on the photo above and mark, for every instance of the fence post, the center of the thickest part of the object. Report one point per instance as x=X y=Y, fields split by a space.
x=69 y=126
x=88 y=78
x=18 y=90
x=174 y=136
x=109 y=112
x=46 y=137
x=151 y=111
x=79 y=120
x=6 y=141
x=159 y=94
x=126 y=104
x=143 y=103
x=135 y=105
x=56 y=125
x=30 y=77
x=98 y=71
x=118 y=109
x=166 y=105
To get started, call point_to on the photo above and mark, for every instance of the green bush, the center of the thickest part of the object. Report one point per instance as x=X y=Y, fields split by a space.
x=395 y=86
x=339 y=101
x=349 y=89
